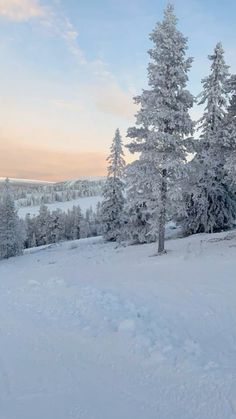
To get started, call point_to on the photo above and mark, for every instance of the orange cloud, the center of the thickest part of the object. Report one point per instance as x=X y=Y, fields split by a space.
x=22 y=161
x=20 y=10
x=110 y=98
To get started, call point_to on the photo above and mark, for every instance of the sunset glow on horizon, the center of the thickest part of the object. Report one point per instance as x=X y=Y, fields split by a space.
x=50 y=165
x=70 y=69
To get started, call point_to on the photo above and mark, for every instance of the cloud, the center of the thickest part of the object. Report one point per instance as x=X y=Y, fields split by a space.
x=21 y=10
x=97 y=70
x=57 y=123
x=109 y=96
x=111 y=99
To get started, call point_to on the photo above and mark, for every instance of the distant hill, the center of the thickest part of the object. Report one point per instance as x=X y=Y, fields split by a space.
x=29 y=192
x=26 y=181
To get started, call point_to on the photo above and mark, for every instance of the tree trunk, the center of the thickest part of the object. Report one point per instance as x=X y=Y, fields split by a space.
x=162 y=218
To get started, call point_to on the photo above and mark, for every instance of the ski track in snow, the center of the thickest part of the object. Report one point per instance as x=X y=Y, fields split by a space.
x=99 y=331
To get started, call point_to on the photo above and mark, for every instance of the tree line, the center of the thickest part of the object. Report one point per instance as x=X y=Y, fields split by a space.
x=185 y=170
x=47 y=227
x=32 y=194
x=177 y=176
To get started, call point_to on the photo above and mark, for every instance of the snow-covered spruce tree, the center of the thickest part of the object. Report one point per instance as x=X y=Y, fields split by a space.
x=11 y=228
x=43 y=223
x=30 y=231
x=232 y=91
x=55 y=227
x=163 y=120
x=140 y=207
x=113 y=199
x=230 y=128
x=211 y=203
x=76 y=219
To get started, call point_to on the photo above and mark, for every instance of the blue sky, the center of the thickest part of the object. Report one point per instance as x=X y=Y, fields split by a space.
x=69 y=69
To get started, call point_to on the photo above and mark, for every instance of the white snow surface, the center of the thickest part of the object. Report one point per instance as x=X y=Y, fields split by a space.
x=91 y=330
x=84 y=203
x=18 y=180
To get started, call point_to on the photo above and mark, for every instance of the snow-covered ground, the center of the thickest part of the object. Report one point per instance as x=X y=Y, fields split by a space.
x=84 y=203
x=90 y=330
x=25 y=181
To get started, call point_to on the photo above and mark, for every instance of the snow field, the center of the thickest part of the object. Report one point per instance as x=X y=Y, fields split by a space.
x=84 y=203
x=97 y=331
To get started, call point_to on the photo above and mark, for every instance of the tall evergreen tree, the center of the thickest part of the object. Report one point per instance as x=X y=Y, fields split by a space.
x=211 y=204
x=232 y=91
x=55 y=227
x=230 y=128
x=113 y=199
x=163 y=121
x=11 y=228
x=76 y=219
x=140 y=206
x=43 y=223
x=30 y=228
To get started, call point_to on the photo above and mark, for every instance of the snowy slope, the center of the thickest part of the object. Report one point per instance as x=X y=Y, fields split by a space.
x=27 y=181
x=72 y=182
x=94 y=331
x=84 y=203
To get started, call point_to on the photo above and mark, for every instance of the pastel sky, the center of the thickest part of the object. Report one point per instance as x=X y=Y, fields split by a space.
x=69 y=70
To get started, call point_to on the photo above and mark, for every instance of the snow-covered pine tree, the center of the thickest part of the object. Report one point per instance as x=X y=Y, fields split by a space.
x=140 y=207
x=163 y=121
x=113 y=199
x=232 y=91
x=11 y=229
x=230 y=128
x=76 y=216
x=55 y=227
x=30 y=231
x=43 y=223
x=98 y=219
x=211 y=203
